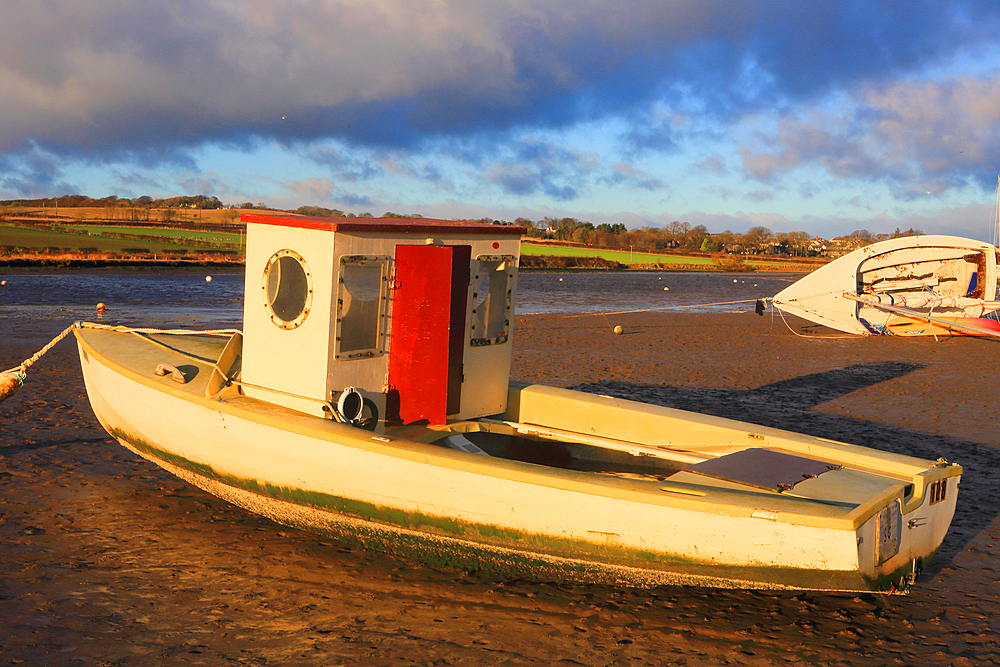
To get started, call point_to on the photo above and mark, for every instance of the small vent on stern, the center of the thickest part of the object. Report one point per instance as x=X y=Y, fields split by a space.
x=938 y=490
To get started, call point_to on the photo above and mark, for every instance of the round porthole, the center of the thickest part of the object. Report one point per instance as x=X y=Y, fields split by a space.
x=287 y=289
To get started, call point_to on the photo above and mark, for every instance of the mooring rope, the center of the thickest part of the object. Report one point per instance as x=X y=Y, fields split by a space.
x=781 y=314
x=650 y=310
x=12 y=379
x=26 y=364
x=765 y=300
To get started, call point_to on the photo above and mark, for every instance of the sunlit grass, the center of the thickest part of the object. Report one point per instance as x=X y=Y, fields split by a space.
x=635 y=257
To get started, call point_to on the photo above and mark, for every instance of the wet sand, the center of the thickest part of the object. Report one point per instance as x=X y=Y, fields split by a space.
x=107 y=560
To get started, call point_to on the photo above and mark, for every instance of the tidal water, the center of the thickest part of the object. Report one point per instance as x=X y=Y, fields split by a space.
x=187 y=298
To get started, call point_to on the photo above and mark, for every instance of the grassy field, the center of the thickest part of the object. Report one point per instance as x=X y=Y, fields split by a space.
x=36 y=239
x=85 y=213
x=182 y=235
x=639 y=258
x=219 y=237
x=622 y=256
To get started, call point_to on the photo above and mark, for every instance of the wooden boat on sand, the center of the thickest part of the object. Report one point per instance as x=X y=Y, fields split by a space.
x=911 y=286
x=368 y=397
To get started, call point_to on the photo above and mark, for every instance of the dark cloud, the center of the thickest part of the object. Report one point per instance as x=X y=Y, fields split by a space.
x=136 y=77
x=343 y=165
x=359 y=201
x=34 y=173
x=533 y=166
x=627 y=175
x=366 y=90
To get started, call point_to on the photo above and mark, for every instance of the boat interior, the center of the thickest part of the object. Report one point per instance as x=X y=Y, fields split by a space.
x=947 y=272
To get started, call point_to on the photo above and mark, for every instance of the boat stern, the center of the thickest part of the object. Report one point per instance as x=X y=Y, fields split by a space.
x=902 y=535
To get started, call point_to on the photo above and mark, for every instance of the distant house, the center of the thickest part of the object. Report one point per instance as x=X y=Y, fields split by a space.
x=818 y=247
x=842 y=245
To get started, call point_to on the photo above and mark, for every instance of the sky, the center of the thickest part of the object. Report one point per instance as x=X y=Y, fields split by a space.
x=815 y=116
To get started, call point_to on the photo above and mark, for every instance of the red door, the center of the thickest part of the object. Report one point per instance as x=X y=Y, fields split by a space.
x=427 y=337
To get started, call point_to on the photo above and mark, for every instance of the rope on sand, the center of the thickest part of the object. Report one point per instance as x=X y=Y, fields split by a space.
x=12 y=379
x=618 y=329
x=649 y=310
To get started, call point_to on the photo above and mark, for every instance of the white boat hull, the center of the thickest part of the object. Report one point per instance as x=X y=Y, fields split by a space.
x=511 y=517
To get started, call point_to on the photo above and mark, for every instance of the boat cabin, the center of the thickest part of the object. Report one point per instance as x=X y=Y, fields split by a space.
x=392 y=321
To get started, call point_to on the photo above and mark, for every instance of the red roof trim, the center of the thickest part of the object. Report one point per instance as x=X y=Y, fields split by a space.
x=383 y=225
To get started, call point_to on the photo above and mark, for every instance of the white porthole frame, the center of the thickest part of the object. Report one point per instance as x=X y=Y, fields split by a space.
x=269 y=303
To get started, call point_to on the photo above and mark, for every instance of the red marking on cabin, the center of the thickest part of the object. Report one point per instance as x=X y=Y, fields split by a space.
x=390 y=226
x=428 y=331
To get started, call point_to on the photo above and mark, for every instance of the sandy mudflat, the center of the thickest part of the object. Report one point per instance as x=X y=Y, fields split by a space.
x=106 y=560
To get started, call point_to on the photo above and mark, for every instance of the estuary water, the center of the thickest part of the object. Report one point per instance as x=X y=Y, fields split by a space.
x=215 y=299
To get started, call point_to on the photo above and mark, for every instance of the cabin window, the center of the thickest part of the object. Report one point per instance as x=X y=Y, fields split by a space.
x=361 y=298
x=492 y=284
x=287 y=289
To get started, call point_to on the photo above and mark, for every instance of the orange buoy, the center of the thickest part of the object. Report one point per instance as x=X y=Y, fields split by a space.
x=100 y=307
x=9 y=384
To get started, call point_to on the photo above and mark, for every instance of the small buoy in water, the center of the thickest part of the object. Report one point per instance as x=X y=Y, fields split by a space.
x=734 y=280
x=3 y=282
x=618 y=329
x=666 y=289
x=560 y=280
x=100 y=307
x=208 y=279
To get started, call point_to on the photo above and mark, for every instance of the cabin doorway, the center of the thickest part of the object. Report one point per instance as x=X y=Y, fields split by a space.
x=427 y=338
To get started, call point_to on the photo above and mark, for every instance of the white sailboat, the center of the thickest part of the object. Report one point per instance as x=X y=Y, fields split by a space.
x=910 y=286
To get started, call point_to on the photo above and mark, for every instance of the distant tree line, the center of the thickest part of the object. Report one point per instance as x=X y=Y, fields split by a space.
x=77 y=201
x=337 y=213
x=682 y=236
x=675 y=236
